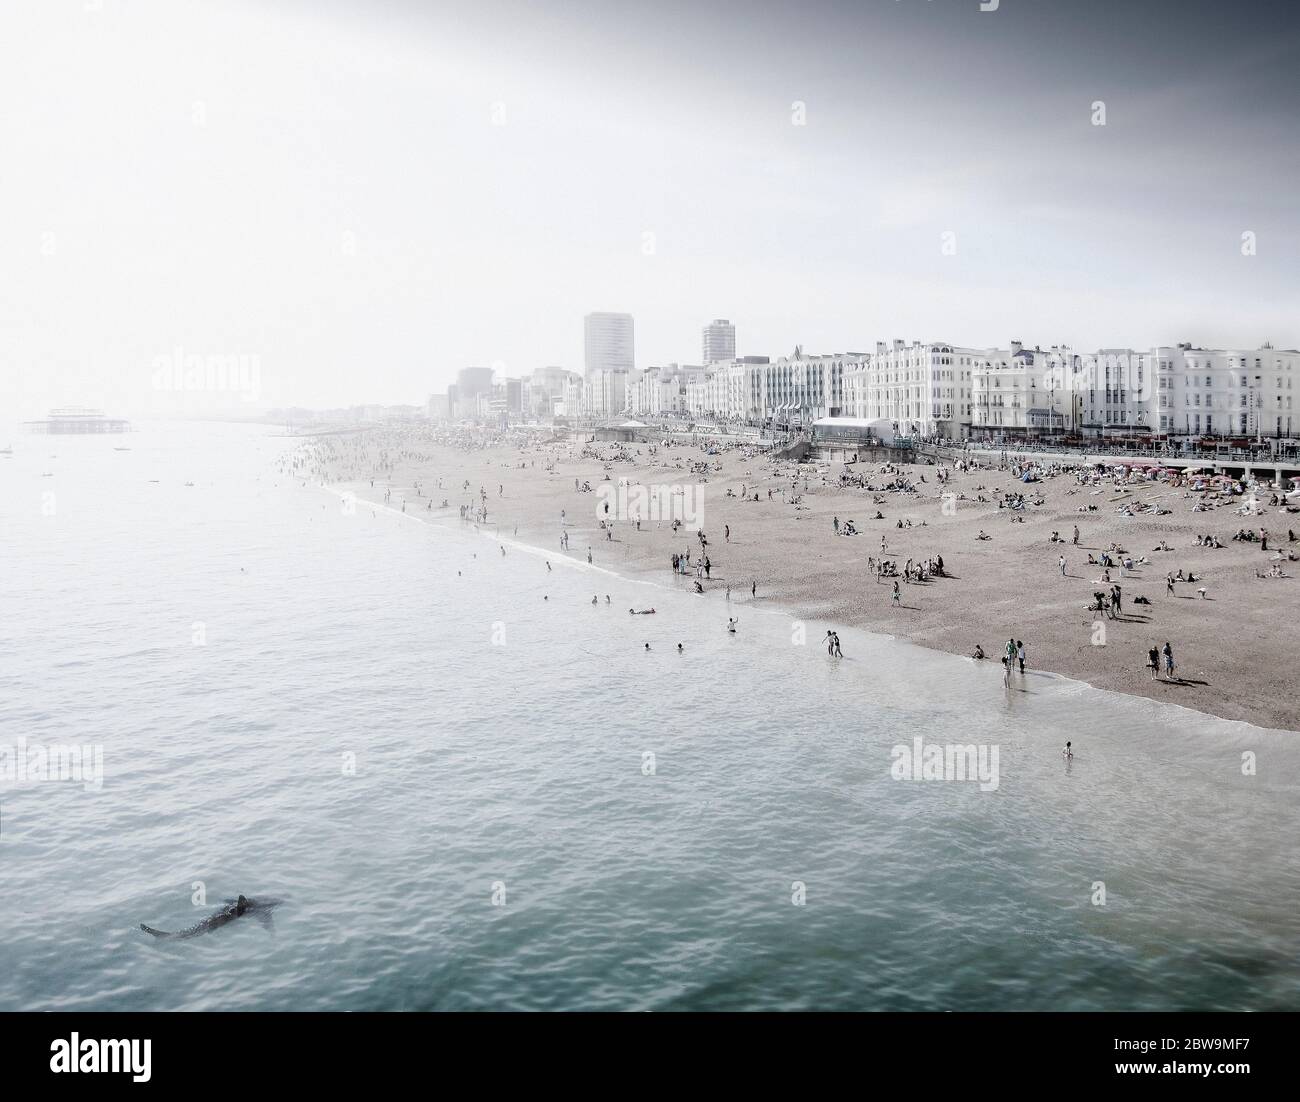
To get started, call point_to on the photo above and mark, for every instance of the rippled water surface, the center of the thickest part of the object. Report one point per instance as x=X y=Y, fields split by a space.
x=500 y=845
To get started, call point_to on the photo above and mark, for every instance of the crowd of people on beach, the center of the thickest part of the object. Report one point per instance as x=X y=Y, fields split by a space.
x=374 y=462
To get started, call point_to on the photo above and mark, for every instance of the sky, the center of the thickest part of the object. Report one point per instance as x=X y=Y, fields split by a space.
x=353 y=200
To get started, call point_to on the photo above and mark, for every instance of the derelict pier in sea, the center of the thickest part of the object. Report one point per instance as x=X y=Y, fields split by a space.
x=76 y=422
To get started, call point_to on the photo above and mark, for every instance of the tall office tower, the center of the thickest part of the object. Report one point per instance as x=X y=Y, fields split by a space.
x=608 y=344
x=719 y=341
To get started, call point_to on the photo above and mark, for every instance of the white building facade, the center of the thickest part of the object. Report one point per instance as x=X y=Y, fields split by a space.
x=1226 y=392
x=923 y=389
x=937 y=389
x=1175 y=391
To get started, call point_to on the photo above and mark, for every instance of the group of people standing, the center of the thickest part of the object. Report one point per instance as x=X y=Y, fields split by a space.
x=1156 y=657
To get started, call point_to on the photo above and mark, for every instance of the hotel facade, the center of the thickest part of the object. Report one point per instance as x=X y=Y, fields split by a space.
x=938 y=389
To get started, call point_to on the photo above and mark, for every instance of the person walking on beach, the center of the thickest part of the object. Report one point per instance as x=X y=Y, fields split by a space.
x=836 y=522
x=835 y=640
x=1169 y=584
x=1020 y=655
x=1076 y=535
x=726 y=531
x=1168 y=653
x=897 y=596
x=753 y=589
x=1061 y=563
x=1153 y=662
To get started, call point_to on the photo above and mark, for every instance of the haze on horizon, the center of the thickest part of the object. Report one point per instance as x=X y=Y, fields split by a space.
x=369 y=196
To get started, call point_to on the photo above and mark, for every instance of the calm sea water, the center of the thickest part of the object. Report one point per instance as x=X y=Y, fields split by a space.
x=500 y=845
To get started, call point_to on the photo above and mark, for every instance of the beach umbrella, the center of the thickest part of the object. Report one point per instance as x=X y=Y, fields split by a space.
x=1193 y=470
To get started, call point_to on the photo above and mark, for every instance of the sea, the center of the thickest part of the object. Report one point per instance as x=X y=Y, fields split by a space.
x=471 y=788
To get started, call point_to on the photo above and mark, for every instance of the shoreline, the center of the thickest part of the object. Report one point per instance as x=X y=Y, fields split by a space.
x=444 y=521
x=1230 y=664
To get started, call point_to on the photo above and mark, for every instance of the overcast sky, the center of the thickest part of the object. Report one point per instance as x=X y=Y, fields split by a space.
x=369 y=195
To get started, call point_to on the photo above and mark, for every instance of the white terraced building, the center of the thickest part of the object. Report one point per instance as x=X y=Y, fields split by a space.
x=1178 y=391
x=922 y=388
x=1017 y=389
x=937 y=388
x=1231 y=392
x=1020 y=390
x=600 y=394
x=661 y=391
x=796 y=390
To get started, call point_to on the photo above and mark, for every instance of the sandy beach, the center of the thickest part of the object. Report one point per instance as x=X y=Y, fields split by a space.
x=1231 y=643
